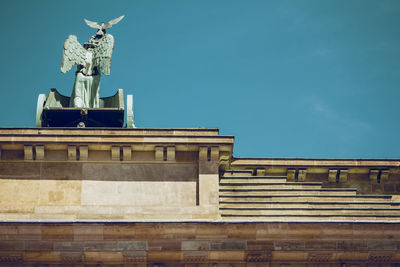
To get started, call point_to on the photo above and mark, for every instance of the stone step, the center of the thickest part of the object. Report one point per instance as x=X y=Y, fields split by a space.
x=287 y=191
x=310 y=211
x=229 y=173
x=308 y=204
x=308 y=218
x=291 y=198
x=223 y=185
x=253 y=179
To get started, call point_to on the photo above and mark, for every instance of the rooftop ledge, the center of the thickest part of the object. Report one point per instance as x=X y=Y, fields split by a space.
x=109 y=131
x=216 y=221
x=293 y=162
x=171 y=135
x=102 y=136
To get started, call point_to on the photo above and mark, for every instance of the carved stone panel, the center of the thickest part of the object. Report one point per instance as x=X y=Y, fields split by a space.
x=10 y=258
x=259 y=256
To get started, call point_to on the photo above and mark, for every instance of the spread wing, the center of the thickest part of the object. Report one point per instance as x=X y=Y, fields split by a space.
x=92 y=24
x=102 y=54
x=114 y=21
x=73 y=53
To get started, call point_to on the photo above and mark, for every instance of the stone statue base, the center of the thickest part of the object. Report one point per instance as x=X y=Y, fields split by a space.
x=54 y=110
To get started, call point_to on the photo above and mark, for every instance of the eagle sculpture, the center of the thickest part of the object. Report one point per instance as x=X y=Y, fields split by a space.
x=92 y=59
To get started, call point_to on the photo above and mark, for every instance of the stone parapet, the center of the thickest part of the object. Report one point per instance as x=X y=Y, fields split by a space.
x=92 y=174
x=101 y=174
x=369 y=176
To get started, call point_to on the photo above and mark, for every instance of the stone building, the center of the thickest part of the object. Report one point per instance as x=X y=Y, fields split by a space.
x=179 y=197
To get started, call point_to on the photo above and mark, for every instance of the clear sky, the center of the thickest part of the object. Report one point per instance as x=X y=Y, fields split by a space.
x=309 y=78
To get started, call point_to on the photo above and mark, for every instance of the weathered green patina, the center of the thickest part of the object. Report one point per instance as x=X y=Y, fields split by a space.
x=85 y=108
x=92 y=59
x=54 y=111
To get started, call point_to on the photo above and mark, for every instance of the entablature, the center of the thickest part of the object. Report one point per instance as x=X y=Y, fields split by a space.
x=42 y=143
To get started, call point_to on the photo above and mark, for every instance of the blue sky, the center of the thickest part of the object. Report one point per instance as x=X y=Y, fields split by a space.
x=308 y=78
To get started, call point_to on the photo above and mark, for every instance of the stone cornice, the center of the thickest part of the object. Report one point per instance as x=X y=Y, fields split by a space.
x=295 y=162
x=113 y=131
x=103 y=139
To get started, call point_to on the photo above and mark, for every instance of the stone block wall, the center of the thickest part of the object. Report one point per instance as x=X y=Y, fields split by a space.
x=95 y=174
x=199 y=244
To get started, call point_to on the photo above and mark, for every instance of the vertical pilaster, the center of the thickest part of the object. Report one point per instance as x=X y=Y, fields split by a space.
x=302 y=175
x=260 y=172
x=39 y=149
x=83 y=152
x=203 y=153
x=343 y=176
x=384 y=175
x=209 y=178
x=171 y=153
x=126 y=153
x=214 y=154
x=28 y=152
x=115 y=153
x=332 y=176
x=159 y=153
x=290 y=175
x=71 y=152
